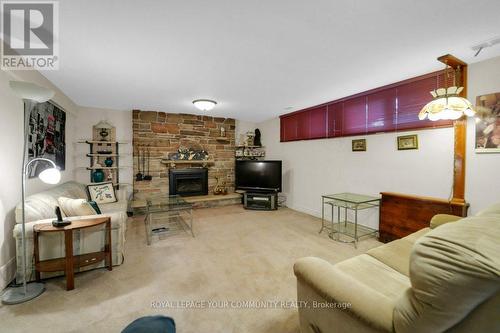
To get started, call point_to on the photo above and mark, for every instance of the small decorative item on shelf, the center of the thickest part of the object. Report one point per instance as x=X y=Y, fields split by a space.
x=250 y=136
x=222 y=132
x=98 y=176
x=104 y=129
x=256 y=139
x=108 y=162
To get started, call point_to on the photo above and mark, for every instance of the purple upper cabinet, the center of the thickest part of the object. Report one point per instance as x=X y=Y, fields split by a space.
x=288 y=128
x=382 y=114
x=317 y=123
x=412 y=97
x=335 y=119
x=303 y=121
x=354 y=122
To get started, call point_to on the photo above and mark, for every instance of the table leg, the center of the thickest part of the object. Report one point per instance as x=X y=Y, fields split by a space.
x=147 y=224
x=37 y=256
x=191 y=217
x=356 y=227
x=322 y=214
x=108 y=247
x=70 y=276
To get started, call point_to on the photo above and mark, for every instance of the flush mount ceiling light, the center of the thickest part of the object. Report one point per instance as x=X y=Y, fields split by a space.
x=204 y=104
x=447 y=104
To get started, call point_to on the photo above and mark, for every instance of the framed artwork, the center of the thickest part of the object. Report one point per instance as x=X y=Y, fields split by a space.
x=407 y=142
x=488 y=123
x=46 y=136
x=102 y=193
x=359 y=145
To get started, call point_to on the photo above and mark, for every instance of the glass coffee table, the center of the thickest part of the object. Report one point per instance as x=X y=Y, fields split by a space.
x=347 y=201
x=167 y=215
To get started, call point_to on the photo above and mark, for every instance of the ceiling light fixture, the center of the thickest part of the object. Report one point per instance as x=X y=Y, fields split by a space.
x=447 y=104
x=204 y=104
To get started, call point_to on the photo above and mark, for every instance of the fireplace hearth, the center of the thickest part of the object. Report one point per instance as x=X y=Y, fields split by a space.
x=188 y=182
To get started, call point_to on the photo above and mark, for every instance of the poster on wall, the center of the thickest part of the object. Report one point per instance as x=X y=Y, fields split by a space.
x=488 y=123
x=46 y=136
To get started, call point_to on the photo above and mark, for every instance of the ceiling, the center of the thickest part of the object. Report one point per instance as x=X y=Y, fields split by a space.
x=257 y=59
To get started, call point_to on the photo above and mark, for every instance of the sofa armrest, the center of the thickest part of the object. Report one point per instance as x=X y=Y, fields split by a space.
x=333 y=285
x=441 y=219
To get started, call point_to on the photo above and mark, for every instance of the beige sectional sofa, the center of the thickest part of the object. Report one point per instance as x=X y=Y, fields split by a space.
x=445 y=278
x=40 y=209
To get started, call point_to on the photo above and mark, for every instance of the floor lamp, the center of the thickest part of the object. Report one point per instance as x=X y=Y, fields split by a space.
x=31 y=95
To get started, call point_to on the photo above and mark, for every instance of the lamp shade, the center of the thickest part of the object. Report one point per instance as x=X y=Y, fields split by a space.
x=28 y=90
x=50 y=176
x=204 y=104
x=447 y=105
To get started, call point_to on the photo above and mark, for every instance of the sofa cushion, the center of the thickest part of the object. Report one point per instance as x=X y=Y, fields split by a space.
x=76 y=207
x=396 y=254
x=376 y=275
x=42 y=205
x=453 y=269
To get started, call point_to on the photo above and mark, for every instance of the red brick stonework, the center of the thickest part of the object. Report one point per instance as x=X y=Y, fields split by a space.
x=164 y=133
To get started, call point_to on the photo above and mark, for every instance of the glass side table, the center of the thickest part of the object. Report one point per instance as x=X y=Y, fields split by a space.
x=347 y=201
x=167 y=214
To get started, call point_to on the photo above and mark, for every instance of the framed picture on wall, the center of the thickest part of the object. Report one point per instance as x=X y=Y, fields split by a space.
x=488 y=123
x=407 y=142
x=46 y=136
x=359 y=145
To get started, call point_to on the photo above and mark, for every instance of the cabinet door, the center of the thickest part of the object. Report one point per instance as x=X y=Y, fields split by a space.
x=335 y=119
x=288 y=128
x=412 y=97
x=354 y=116
x=317 y=123
x=382 y=113
x=303 y=121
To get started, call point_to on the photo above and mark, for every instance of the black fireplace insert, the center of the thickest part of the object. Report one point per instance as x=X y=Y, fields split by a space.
x=187 y=182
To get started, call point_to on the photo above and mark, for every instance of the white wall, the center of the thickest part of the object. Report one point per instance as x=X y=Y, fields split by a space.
x=483 y=181
x=316 y=167
x=11 y=144
x=122 y=120
x=313 y=168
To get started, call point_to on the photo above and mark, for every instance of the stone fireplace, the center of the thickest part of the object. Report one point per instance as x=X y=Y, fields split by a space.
x=188 y=182
x=164 y=133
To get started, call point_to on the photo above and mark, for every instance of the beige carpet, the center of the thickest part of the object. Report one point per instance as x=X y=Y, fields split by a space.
x=237 y=256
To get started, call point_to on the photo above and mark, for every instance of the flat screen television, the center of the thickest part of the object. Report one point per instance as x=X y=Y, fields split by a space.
x=258 y=175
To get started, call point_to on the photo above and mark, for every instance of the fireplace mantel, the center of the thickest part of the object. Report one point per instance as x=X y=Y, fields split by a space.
x=173 y=163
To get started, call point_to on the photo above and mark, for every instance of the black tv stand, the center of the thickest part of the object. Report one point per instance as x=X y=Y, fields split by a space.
x=260 y=200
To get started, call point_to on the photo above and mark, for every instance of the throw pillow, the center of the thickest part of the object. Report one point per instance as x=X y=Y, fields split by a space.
x=95 y=206
x=102 y=193
x=75 y=207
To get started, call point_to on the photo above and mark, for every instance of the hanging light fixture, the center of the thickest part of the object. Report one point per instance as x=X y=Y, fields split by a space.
x=447 y=103
x=204 y=104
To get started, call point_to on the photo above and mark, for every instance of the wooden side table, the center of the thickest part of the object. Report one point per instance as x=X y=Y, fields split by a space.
x=70 y=261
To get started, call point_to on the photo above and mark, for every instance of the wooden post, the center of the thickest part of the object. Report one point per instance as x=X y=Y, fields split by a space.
x=460 y=129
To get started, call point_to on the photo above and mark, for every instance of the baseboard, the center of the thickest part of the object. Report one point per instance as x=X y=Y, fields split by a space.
x=305 y=210
x=7 y=273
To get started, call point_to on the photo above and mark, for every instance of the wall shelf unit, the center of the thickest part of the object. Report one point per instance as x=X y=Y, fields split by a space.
x=104 y=154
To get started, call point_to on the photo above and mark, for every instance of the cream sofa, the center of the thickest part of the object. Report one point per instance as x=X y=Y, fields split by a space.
x=40 y=209
x=445 y=278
